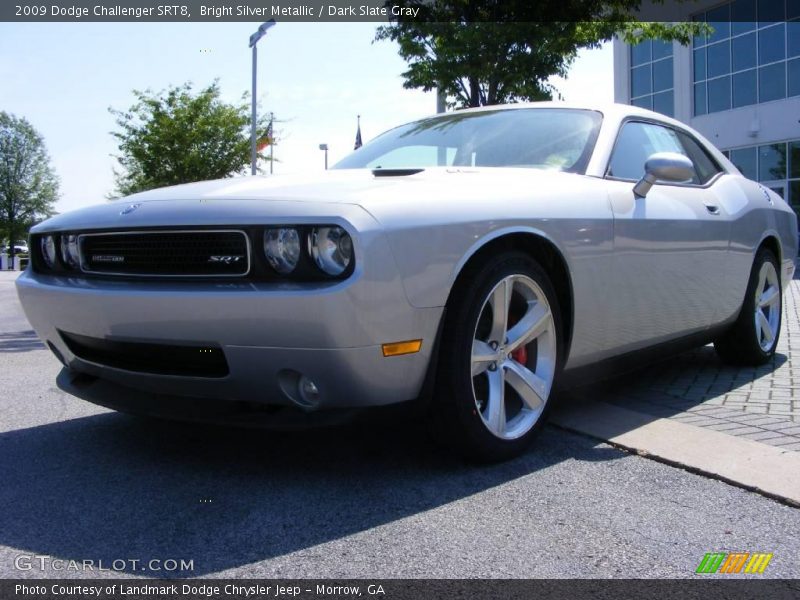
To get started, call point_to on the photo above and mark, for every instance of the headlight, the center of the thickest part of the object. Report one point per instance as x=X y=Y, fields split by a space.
x=69 y=250
x=332 y=249
x=48 y=246
x=282 y=248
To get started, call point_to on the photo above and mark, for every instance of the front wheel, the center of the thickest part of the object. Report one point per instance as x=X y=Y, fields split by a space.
x=499 y=358
x=753 y=338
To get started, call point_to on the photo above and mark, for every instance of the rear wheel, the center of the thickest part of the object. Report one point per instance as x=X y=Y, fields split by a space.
x=499 y=358
x=753 y=338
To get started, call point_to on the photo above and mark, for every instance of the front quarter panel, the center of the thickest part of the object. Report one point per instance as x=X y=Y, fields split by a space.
x=457 y=217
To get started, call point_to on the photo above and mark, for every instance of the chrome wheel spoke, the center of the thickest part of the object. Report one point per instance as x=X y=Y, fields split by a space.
x=500 y=301
x=482 y=356
x=533 y=324
x=495 y=416
x=768 y=297
x=762 y=278
x=531 y=388
x=766 y=330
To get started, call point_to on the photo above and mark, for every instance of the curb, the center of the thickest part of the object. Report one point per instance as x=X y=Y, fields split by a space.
x=744 y=463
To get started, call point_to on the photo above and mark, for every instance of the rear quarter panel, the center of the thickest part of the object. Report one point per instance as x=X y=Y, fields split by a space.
x=756 y=214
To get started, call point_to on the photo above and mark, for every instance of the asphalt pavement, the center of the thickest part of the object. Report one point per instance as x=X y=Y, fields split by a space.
x=377 y=500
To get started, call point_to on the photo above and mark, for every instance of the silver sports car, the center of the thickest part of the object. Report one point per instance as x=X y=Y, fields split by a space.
x=477 y=259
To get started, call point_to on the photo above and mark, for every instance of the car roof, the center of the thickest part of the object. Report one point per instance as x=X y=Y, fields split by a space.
x=613 y=110
x=614 y=114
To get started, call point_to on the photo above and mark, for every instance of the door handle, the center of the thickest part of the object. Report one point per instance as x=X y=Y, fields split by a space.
x=712 y=208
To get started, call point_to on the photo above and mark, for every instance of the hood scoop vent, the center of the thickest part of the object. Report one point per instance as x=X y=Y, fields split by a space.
x=395 y=172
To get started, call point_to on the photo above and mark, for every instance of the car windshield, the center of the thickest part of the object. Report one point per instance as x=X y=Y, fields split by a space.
x=541 y=138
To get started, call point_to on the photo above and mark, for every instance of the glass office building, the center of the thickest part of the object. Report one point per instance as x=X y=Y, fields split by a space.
x=738 y=86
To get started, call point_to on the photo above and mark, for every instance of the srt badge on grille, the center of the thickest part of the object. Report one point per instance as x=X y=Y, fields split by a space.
x=228 y=260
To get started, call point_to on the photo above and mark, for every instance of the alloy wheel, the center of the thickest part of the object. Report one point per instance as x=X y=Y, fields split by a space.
x=768 y=306
x=513 y=357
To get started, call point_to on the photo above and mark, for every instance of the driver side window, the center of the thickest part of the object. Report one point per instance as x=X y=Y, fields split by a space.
x=636 y=143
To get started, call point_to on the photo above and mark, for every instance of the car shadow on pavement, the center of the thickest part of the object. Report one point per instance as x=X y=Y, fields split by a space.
x=110 y=487
x=20 y=341
x=695 y=377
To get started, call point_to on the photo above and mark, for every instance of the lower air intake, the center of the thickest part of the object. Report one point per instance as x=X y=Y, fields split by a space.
x=159 y=359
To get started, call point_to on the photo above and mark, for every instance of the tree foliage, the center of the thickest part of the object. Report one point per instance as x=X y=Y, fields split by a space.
x=481 y=52
x=179 y=136
x=28 y=183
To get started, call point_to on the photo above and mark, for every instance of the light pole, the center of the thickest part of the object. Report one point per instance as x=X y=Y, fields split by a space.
x=262 y=31
x=324 y=147
x=441 y=106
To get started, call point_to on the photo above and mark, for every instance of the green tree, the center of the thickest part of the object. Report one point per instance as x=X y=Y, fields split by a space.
x=28 y=184
x=481 y=52
x=178 y=136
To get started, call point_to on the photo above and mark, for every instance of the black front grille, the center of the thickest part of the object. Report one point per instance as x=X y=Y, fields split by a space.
x=166 y=253
x=160 y=359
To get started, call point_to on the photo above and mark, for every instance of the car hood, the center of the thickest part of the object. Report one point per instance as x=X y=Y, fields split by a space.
x=245 y=200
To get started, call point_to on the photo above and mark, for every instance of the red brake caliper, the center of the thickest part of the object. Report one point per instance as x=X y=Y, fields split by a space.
x=520 y=355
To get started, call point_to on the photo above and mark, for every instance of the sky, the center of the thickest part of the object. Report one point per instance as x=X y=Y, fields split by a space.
x=315 y=77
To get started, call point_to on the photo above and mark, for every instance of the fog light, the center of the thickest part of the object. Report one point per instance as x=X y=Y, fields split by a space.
x=308 y=391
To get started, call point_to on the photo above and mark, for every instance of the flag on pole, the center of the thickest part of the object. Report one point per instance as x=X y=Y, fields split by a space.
x=266 y=139
x=358 y=134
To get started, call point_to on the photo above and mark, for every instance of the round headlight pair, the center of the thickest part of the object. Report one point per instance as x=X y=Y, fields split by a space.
x=69 y=250
x=330 y=247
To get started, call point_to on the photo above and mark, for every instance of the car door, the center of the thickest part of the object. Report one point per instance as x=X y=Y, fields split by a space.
x=669 y=246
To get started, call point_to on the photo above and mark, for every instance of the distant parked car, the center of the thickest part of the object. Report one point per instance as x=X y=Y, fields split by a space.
x=19 y=248
x=487 y=254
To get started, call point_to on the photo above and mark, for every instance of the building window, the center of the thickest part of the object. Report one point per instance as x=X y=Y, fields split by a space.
x=753 y=55
x=652 y=77
x=777 y=166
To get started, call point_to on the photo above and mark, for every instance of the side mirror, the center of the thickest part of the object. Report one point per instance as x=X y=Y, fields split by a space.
x=663 y=166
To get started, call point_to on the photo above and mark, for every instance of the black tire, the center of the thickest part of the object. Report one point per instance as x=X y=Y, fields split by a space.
x=742 y=343
x=455 y=411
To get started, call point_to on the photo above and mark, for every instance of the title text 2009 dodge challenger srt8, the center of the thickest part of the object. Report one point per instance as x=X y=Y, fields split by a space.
x=487 y=254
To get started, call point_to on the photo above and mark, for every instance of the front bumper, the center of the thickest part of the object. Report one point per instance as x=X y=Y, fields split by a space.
x=331 y=332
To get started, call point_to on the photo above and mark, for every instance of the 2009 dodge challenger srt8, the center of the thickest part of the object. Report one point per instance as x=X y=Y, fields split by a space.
x=488 y=254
